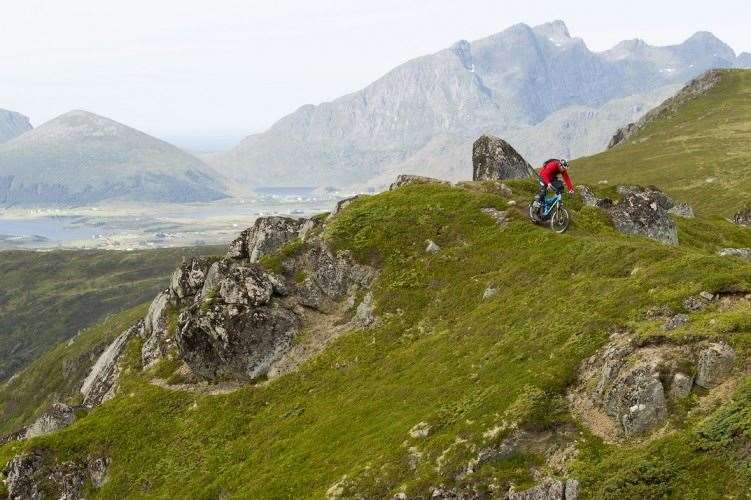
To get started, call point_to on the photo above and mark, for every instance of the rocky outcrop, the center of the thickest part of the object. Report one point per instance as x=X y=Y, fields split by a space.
x=155 y=331
x=642 y=212
x=187 y=280
x=590 y=199
x=743 y=217
x=406 y=180
x=632 y=385
x=549 y=489
x=245 y=317
x=56 y=417
x=267 y=235
x=743 y=253
x=501 y=217
x=36 y=475
x=101 y=383
x=694 y=89
x=495 y=159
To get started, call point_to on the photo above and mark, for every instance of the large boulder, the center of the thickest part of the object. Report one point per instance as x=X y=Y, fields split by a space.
x=241 y=331
x=494 y=159
x=643 y=212
x=101 y=382
x=715 y=364
x=56 y=417
x=267 y=235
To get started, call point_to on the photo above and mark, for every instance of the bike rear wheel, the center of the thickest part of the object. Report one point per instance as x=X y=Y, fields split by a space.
x=560 y=220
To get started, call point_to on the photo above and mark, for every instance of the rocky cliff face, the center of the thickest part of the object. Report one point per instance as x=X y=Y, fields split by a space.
x=508 y=82
x=12 y=125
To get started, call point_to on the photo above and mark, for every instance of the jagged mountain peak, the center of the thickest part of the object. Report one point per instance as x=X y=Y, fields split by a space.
x=556 y=30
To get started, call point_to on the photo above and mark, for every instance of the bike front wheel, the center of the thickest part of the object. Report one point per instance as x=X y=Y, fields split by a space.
x=560 y=220
x=533 y=213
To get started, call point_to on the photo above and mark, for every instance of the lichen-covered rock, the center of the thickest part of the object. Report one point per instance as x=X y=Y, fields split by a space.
x=56 y=417
x=156 y=330
x=329 y=277
x=549 y=489
x=675 y=322
x=627 y=384
x=680 y=386
x=715 y=364
x=642 y=213
x=364 y=314
x=235 y=340
x=654 y=194
x=245 y=286
x=100 y=384
x=35 y=475
x=743 y=253
x=743 y=217
x=682 y=210
x=432 y=247
x=187 y=280
x=405 y=180
x=267 y=235
x=495 y=159
x=588 y=197
x=500 y=217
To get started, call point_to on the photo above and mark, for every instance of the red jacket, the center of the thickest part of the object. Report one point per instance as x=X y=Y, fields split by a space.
x=550 y=171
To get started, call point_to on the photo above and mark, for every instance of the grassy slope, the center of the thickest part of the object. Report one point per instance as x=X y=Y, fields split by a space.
x=47 y=297
x=708 y=137
x=440 y=355
x=57 y=374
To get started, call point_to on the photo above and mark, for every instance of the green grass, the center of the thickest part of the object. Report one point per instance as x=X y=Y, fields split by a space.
x=47 y=297
x=441 y=355
x=57 y=374
x=707 y=138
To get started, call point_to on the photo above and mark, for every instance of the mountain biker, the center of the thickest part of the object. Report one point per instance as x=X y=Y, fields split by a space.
x=549 y=174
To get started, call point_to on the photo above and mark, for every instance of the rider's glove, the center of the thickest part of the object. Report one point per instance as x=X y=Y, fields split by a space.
x=570 y=191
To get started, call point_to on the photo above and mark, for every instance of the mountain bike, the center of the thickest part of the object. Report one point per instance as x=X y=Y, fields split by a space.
x=553 y=211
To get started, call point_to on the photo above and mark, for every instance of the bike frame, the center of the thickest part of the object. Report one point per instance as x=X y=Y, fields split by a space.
x=551 y=203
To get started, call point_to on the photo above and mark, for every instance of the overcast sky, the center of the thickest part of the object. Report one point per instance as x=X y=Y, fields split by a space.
x=204 y=74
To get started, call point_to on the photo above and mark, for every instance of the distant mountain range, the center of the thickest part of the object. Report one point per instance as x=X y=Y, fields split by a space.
x=539 y=87
x=81 y=158
x=12 y=125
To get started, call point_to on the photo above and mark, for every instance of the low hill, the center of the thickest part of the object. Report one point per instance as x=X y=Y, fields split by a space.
x=12 y=125
x=80 y=158
x=47 y=297
x=695 y=146
x=464 y=384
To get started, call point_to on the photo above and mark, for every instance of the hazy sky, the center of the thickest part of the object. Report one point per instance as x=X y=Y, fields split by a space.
x=203 y=74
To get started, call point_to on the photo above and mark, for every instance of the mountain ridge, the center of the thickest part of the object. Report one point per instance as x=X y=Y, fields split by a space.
x=506 y=82
x=12 y=124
